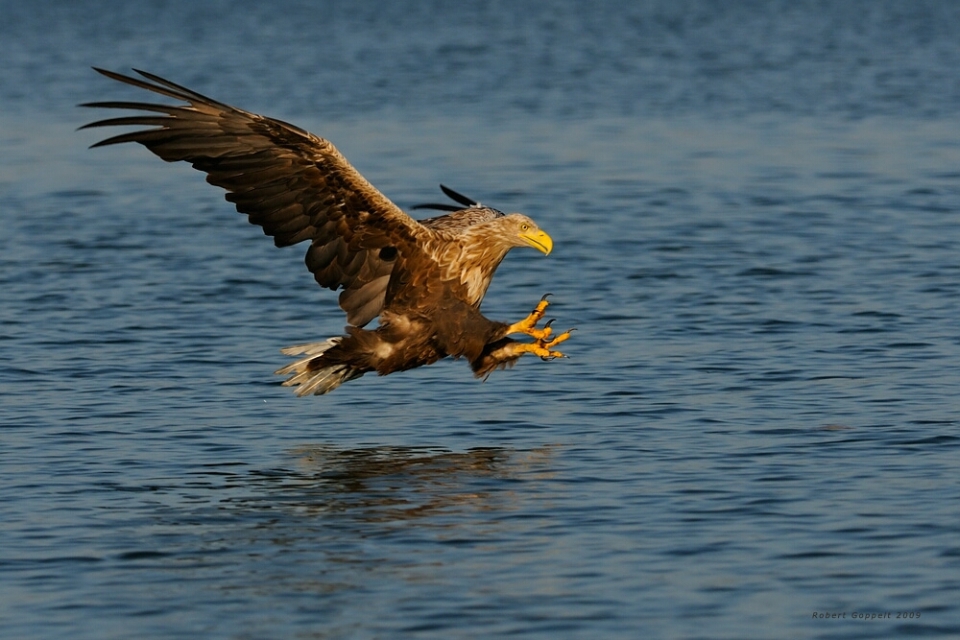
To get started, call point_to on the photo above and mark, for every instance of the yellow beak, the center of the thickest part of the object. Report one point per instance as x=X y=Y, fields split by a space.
x=539 y=240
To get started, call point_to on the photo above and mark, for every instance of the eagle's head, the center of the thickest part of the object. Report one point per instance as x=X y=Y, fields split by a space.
x=494 y=226
x=521 y=231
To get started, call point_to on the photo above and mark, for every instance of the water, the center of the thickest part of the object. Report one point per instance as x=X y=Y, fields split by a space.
x=755 y=209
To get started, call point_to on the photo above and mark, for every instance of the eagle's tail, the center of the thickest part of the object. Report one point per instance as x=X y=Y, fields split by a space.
x=314 y=373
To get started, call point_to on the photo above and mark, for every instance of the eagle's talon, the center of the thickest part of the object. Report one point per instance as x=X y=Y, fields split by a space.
x=528 y=325
x=543 y=344
x=552 y=355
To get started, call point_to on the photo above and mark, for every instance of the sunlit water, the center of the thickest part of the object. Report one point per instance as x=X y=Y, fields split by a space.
x=756 y=213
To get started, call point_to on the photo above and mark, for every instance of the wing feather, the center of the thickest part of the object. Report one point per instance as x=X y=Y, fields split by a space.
x=295 y=185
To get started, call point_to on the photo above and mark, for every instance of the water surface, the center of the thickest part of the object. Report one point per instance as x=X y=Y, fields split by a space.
x=755 y=209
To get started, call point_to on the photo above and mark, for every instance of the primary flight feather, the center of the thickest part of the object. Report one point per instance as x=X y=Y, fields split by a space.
x=424 y=280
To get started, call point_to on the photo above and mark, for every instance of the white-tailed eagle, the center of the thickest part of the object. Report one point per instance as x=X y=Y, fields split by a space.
x=423 y=279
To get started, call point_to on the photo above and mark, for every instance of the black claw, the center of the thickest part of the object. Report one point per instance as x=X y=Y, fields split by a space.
x=545 y=296
x=549 y=322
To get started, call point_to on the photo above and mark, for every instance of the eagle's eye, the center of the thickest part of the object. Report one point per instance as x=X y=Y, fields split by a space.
x=524 y=227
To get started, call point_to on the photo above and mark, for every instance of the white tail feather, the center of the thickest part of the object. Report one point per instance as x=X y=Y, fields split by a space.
x=315 y=381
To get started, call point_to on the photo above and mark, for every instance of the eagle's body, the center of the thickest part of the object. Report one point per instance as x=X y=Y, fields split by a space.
x=424 y=280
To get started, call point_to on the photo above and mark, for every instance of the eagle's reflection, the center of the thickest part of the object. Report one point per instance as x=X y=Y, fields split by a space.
x=382 y=484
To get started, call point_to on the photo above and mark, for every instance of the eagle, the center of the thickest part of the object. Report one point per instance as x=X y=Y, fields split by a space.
x=423 y=280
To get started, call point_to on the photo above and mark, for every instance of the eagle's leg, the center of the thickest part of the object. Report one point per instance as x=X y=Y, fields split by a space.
x=505 y=352
x=528 y=325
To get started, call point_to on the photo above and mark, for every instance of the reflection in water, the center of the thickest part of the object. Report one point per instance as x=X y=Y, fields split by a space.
x=340 y=527
x=383 y=484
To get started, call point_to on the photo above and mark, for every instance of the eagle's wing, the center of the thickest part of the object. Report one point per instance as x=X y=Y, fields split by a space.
x=292 y=183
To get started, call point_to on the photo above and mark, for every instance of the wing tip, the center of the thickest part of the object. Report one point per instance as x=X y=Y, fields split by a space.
x=457 y=197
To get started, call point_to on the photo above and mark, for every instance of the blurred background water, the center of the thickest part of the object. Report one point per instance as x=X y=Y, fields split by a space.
x=756 y=210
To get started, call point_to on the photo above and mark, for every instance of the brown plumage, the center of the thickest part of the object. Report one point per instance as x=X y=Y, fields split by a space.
x=424 y=279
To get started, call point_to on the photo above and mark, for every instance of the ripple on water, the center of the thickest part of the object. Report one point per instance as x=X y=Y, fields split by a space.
x=757 y=418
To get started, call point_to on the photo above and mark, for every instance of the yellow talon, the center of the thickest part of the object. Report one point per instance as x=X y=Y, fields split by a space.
x=536 y=349
x=509 y=350
x=545 y=347
x=529 y=324
x=560 y=338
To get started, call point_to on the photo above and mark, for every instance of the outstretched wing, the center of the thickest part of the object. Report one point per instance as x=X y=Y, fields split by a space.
x=292 y=183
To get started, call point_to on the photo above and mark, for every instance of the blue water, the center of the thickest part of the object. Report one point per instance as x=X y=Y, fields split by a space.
x=756 y=211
